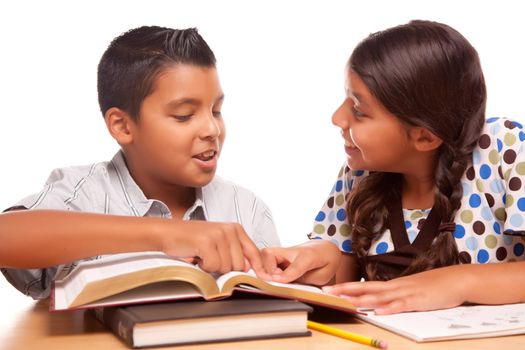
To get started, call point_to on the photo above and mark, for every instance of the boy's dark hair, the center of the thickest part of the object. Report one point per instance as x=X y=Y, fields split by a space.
x=427 y=74
x=130 y=65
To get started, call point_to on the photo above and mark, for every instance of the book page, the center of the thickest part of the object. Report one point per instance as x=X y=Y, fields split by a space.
x=462 y=322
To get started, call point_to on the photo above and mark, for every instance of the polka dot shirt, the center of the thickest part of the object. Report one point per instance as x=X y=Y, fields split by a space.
x=490 y=224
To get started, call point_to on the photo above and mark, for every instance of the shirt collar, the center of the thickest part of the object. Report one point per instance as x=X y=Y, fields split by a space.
x=143 y=206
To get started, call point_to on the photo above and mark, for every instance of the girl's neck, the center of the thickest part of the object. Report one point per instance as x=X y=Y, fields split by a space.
x=418 y=191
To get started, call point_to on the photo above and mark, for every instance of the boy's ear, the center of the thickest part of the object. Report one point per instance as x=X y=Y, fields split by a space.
x=424 y=140
x=119 y=125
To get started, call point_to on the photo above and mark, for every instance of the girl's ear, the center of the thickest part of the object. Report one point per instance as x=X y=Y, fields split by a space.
x=119 y=125
x=424 y=140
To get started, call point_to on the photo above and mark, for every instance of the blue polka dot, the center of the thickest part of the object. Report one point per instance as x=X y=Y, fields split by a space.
x=347 y=245
x=476 y=157
x=467 y=189
x=475 y=200
x=331 y=216
x=358 y=172
x=522 y=136
x=518 y=249
x=316 y=237
x=459 y=232
x=486 y=213
x=334 y=241
x=338 y=185
x=494 y=129
x=504 y=199
x=412 y=234
x=485 y=171
x=521 y=204
x=341 y=214
x=492 y=120
x=516 y=220
x=472 y=243
x=320 y=216
x=483 y=256
x=381 y=248
x=518 y=125
x=497 y=228
x=349 y=184
x=408 y=224
x=500 y=145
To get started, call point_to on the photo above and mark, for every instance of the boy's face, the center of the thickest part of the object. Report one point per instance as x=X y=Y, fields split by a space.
x=180 y=131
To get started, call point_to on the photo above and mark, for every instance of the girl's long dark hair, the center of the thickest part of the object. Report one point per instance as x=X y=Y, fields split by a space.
x=426 y=74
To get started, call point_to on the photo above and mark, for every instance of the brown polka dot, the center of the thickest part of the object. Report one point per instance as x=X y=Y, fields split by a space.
x=490 y=199
x=465 y=258
x=500 y=172
x=420 y=224
x=478 y=227
x=509 y=125
x=471 y=173
x=331 y=230
x=330 y=202
x=515 y=184
x=501 y=253
x=484 y=141
x=347 y=169
x=509 y=156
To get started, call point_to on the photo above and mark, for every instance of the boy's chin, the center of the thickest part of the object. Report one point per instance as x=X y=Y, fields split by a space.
x=202 y=180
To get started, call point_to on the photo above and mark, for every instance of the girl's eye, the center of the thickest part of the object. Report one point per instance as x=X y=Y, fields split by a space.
x=217 y=114
x=356 y=112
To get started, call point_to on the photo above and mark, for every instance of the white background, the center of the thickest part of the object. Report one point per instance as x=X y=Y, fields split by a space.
x=281 y=65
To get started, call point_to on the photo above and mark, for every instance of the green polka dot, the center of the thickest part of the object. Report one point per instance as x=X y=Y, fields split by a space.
x=479 y=185
x=491 y=241
x=506 y=176
x=509 y=139
x=416 y=215
x=466 y=216
x=344 y=230
x=520 y=168
x=319 y=229
x=339 y=200
x=501 y=214
x=494 y=157
x=510 y=201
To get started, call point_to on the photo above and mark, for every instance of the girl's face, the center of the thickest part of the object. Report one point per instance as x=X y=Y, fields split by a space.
x=375 y=139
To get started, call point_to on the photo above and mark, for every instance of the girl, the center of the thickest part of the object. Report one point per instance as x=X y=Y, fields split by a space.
x=431 y=191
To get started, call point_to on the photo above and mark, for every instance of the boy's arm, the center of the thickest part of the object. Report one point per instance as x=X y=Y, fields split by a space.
x=42 y=238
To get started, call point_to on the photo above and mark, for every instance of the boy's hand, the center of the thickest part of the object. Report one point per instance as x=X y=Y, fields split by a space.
x=314 y=262
x=217 y=247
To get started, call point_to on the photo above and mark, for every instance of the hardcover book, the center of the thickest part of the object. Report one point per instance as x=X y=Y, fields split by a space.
x=194 y=321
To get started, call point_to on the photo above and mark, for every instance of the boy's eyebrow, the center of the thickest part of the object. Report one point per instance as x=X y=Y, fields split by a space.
x=191 y=101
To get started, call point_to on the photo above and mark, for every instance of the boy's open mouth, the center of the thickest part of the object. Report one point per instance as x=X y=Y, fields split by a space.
x=205 y=156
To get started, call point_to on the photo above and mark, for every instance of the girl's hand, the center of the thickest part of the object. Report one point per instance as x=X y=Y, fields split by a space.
x=314 y=262
x=441 y=288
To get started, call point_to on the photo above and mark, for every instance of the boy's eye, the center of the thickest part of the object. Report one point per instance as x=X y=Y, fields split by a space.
x=182 y=118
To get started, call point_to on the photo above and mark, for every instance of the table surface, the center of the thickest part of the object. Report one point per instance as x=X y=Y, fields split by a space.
x=26 y=324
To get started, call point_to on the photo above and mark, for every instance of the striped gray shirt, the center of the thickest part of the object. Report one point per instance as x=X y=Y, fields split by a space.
x=109 y=188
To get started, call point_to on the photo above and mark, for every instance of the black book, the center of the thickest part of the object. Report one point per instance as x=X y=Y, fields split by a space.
x=197 y=321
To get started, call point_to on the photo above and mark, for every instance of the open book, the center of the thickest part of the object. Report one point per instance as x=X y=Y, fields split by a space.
x=462 y=322
x=152 y=276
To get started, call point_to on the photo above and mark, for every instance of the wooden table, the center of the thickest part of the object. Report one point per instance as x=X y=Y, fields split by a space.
x=26 y=324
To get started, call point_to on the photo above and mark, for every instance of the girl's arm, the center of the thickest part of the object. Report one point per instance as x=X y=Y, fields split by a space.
x=43 y=238
x=439 y=288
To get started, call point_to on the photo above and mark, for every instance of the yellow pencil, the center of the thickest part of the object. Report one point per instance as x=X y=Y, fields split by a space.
x=347 y=335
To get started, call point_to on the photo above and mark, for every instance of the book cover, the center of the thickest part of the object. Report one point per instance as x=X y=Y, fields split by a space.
x=133 y=278
x=463 y=322
x=189 y=322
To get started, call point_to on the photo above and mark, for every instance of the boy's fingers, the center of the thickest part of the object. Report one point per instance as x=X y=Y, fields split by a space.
x=295 y=270
x=251 y=253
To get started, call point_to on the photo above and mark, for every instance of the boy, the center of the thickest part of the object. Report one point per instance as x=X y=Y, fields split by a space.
x=161 y=99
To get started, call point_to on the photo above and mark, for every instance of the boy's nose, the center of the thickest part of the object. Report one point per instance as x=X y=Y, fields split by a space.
x=211 y=127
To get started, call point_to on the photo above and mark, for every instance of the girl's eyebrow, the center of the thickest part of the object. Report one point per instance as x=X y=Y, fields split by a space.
x=359 y=99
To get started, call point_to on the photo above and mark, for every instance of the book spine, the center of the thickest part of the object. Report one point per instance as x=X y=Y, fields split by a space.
x=116 y=320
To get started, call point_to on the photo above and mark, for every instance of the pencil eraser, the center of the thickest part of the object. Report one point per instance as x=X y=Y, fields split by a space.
x=383 y=344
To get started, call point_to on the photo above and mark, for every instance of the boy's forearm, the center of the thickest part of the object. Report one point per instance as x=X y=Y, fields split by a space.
x=42 y=238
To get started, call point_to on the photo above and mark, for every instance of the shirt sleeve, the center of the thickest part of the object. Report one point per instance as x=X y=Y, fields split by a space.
x=58 y=194
x=265 y=233
x=331 y=222
x=510 y=143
